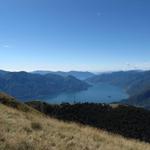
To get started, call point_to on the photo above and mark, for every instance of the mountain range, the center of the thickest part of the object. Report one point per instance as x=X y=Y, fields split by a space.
x=23 y=85
x=81 y=75
x=134 y=82
x=34 y=85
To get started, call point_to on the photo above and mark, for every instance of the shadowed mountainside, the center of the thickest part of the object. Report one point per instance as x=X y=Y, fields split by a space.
x=24 y=86
x=140 y=100
x=134 y=82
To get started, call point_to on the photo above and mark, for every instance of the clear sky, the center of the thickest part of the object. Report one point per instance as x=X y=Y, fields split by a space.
x=94 y=35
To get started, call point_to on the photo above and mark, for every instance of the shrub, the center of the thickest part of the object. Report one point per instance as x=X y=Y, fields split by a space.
x=36 y=126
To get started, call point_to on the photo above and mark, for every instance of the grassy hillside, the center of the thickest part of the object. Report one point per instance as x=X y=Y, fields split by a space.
x=29 y=130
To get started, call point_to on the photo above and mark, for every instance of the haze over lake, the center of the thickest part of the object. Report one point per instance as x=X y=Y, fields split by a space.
x=98 y=93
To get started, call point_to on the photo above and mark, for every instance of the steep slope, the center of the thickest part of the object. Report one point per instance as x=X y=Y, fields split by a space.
x=139 y=100
x=21 y=130
x=23 y=85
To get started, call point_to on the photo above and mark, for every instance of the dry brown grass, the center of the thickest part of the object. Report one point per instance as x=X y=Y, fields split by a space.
x=31 y=131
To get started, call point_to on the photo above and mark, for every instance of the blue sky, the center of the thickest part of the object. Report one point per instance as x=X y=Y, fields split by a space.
x=94 y=35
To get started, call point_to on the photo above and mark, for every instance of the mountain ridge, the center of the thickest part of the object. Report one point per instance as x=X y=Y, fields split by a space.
x=82 y=75
x=134 y=82
x=23 y=85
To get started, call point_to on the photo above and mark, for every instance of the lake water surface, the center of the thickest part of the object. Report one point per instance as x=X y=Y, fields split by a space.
x=98 y=93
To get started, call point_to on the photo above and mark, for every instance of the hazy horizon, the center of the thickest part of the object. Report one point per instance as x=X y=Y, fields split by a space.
x=94 y=72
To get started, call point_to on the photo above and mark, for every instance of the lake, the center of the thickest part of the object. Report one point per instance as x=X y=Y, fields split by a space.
x=98 y=93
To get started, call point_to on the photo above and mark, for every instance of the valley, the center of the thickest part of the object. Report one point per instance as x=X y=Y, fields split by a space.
x=114 y=87
x=96 y=93
x=75 y=75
